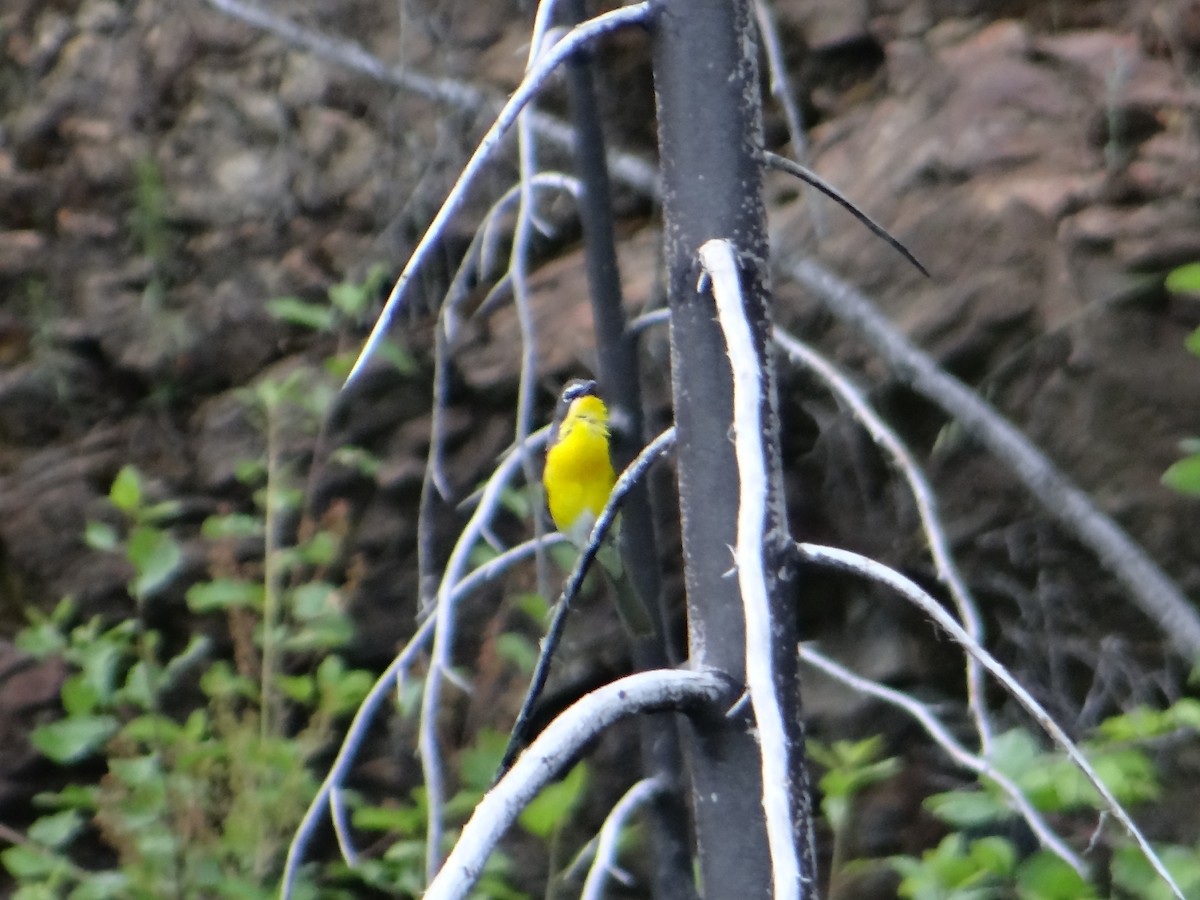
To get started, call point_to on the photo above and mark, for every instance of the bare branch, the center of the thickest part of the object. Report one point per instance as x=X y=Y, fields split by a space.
x=637 y=173
x=534 y=80
x=913 y=593
x=443 y=639
x=605 y=859
x=808 y=176
x=720 y=265
x=1153 y=592
x=554 y=749
x=939 y=546
x=394 y=673
x=941 y=735
x=781 y=87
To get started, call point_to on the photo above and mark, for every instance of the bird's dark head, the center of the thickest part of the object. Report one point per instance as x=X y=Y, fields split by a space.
x=573 y=391
x=578 y=387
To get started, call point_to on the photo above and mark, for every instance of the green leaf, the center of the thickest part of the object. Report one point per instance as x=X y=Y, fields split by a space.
x=232 y=525
x=404 y=820
x=1185 y=713
x=299 y=688
x=321 y=549
x=1184 y=476
x=1043 y=876
x=140 y=771
x=352 y=299
x=30 y=863
x=101 y=536
x=313 y=599
x=73 y=796
x=37 y=890
x=402 y=361
x=126 y=491
x=994 y=854
x=101 y=659
x=70 y=740
x=357 y=459
x=1014 y=752
x=139 y=685
x=967 y=809
x=1193 y=342
x=221 y=682
x=1184 y=280
x=1134 y=874
x=79 y=696
x=953 y=870
x=478 y=763
x=57 y=829
x=101 y=886
x=349 y=298
x=533 y=605
x=554 y=804
x=225 y=593
x=41 y=640
x=163 y=511
x=341 y=689
x=518 y=650
x=1137 y=725
x=250 y=471
x=155 y=556
x=1130 y=774
x=317 y=316
x=151 y=730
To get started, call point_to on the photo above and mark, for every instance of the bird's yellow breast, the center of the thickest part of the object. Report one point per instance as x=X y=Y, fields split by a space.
x=579 y=475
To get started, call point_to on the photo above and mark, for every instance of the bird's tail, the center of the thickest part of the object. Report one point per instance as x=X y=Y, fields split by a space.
x=631 y=607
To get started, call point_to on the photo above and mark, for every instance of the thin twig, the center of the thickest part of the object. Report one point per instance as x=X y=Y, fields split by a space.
x=554 y=749
x=1150 y=588
x=535 y=79
x=395 y=671
x=808 y=176
x=341 y=827
x=875 y=571
x=941 y=735
x=639 y=174
x=781 y=90
x=939 y=546
x=605 y=859
x=443 y=639
x=482 y=249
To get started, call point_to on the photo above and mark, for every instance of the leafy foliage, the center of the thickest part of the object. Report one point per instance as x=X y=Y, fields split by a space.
x=1184 y=476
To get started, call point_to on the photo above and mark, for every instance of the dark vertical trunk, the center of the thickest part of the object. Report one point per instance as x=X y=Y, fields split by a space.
x=619 y=379
x=709 y=133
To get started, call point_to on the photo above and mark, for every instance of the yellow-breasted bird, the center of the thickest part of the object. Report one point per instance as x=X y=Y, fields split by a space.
x=578 y=479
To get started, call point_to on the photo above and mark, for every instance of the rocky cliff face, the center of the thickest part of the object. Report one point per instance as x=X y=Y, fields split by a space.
x=166 y=170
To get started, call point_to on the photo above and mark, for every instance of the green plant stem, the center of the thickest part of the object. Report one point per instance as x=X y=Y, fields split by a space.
x=154 y=708
x=270 y=578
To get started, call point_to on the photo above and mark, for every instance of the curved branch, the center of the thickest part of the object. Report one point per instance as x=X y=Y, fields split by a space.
x=554 y=749
x=534 y=80
x=1153 y=592
x=939 y=546
x=868 y=568
x=956 y=751
x=357 y=731
x=604 y=861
